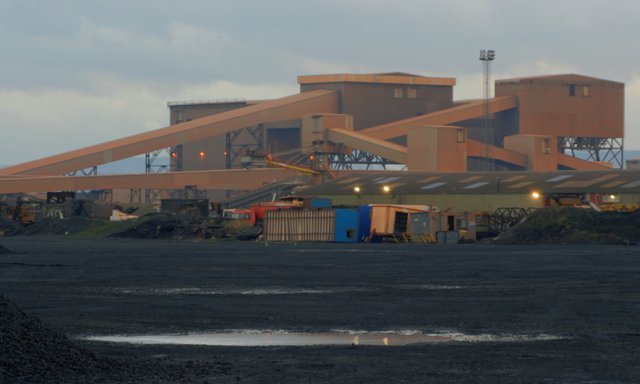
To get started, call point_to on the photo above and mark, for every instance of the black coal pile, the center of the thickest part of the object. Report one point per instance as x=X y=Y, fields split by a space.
x=67 y=226
x=5 y=251
x=31 y=352
x=152 y=226
x=167 y=225
x=9 y=227
x=568 y=225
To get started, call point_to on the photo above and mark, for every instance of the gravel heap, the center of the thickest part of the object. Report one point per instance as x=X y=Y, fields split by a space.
x=29 y=350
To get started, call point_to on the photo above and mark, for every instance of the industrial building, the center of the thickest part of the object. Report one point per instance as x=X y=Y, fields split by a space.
x=537 y=123
x=341 y=125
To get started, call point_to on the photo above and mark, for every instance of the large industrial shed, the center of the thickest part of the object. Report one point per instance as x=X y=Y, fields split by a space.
x=478 y=191
x=461 y=201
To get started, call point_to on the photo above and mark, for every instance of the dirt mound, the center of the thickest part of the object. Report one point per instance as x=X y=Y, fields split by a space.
x=29 y=350
x=567 y=225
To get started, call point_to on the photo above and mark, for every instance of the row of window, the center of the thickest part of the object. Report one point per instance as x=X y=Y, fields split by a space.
x=586 y=90
x=398 y=93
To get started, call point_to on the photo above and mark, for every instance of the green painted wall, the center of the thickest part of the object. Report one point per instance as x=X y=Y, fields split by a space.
x=457 y=203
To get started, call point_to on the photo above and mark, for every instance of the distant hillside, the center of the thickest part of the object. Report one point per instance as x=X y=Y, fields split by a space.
x=631 y=154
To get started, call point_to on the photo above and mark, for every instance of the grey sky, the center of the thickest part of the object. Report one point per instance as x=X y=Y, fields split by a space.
x=76 y=73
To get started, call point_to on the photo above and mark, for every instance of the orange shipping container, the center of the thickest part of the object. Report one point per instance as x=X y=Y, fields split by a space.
x=387 y=219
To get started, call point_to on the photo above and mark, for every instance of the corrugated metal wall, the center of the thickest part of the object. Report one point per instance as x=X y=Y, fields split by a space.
x=347 y=226
x=300 y=225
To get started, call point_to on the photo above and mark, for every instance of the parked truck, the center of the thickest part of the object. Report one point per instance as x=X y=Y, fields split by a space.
x=256 y=213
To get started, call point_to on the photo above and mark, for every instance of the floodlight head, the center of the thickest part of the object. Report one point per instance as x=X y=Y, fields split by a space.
x=487 y=55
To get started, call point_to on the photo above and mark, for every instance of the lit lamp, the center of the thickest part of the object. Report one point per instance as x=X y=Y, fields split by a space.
x=357 y=190
x=387 y=190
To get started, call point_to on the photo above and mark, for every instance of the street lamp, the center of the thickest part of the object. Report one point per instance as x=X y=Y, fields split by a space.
x=487 y=56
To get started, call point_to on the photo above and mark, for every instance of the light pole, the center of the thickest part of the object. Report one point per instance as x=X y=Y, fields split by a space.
x=487 y=56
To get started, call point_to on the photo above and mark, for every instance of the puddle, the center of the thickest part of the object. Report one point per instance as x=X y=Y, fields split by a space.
x=429 y=287
x=367 y=251
x=256 y=338
x=268 y=291
x=229 y=291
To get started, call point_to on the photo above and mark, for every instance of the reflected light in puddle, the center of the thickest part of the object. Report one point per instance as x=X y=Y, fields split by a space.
x=284 y=338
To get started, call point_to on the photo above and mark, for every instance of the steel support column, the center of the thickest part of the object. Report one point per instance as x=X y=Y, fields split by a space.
x=91 y=171
x=234 y=149
x=151 y=166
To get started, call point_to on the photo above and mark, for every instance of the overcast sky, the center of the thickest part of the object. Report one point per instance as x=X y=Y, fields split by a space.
x=76 y=73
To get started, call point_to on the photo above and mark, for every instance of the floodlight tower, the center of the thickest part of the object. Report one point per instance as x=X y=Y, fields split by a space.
x=487 y=56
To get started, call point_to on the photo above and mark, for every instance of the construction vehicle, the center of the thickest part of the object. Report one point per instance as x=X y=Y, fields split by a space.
x=258 y=159
x=237 y=214
x=256 y=213
x=28 y=211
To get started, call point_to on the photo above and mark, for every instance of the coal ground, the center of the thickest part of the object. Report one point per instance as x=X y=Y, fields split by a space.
x=57 y=288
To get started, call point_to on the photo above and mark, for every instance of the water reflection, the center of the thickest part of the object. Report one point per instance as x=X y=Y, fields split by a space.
x=283 y=338
x=269 y=291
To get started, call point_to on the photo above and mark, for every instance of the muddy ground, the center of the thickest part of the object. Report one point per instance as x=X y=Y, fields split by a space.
x=588 y=296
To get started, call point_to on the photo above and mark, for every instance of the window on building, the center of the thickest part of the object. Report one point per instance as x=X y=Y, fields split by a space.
x=460 y=136
x=179 y=116
x=586 y=90
x=397 y=93
x=572 y=89
x=412 y=93
x=546 y=147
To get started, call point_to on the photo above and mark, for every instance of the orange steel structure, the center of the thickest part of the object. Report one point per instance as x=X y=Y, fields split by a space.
x=444 y=117
x=411 y=120
x=291 y=107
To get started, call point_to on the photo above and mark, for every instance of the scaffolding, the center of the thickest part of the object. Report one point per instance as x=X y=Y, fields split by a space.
x=600 y=149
